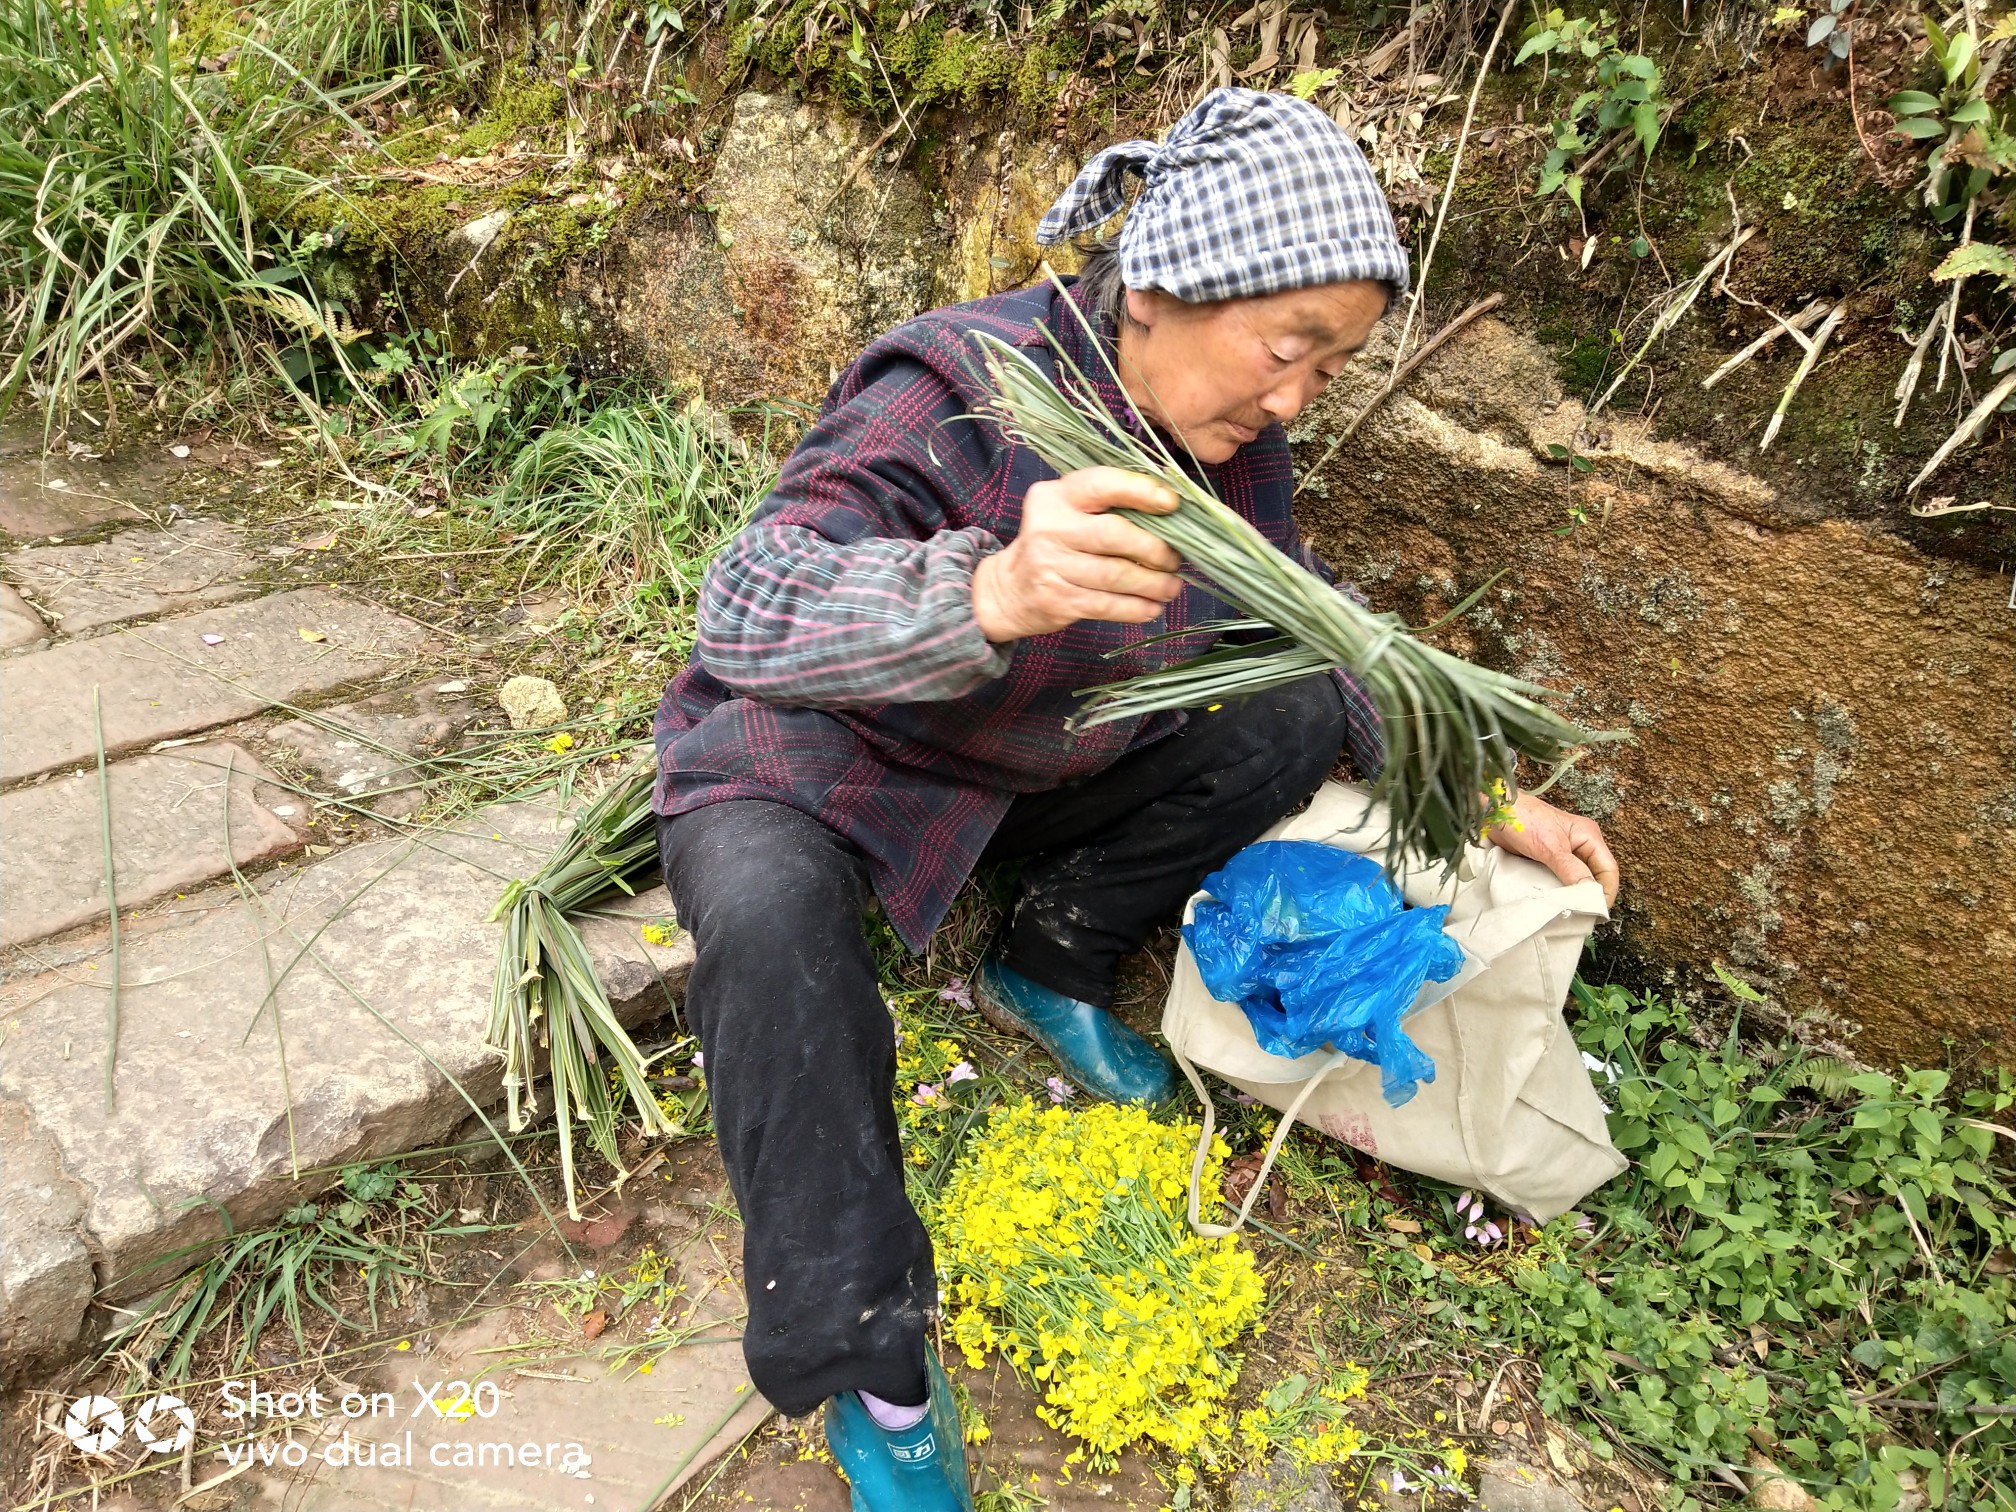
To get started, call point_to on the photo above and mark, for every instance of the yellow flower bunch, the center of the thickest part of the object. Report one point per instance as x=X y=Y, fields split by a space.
x=1311 y=1422
x=1501 y=811
x=1062 y=1238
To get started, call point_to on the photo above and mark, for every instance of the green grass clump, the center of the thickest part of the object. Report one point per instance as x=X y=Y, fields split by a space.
x=363 y=41
x=631 y=501
x=618 y=496
x=128 y=174
x=371 y=1237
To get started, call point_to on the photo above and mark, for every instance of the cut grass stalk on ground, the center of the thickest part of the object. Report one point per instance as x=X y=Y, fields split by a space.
x=546 y=994
x=373 y=1235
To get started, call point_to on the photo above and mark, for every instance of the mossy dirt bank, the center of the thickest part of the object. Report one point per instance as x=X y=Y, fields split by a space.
x=1821 y=791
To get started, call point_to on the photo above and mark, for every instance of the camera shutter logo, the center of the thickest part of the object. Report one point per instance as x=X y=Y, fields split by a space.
x=164 y=1424
x=94 y=1424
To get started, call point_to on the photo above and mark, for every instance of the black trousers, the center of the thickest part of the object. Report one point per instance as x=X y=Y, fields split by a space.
x=801 y=1051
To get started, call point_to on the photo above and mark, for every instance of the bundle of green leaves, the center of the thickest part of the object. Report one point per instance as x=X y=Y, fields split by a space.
x=1453 y=731
x=547 y=996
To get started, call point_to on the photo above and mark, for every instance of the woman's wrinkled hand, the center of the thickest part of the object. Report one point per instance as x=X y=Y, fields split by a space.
x=1074 y=559
x=1570 y=846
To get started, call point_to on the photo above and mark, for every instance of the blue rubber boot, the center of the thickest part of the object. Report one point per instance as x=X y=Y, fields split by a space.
x=918 y=1469
x=1096 y=1050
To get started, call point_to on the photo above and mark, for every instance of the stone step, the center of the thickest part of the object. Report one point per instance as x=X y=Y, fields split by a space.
x=133 y=574
x=361 y=756
x=20 y=625
x=210 y=1115
x=166 y=679
x=168 y=816
x=53 y=496
x=623 y=1431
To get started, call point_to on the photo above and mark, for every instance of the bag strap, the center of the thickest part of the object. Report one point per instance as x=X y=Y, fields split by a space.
x=1281 y=1131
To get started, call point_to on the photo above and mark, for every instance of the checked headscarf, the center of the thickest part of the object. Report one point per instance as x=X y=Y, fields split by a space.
x=1249 y=194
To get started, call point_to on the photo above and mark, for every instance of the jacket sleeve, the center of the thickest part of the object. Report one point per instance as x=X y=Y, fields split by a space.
x=852 y=586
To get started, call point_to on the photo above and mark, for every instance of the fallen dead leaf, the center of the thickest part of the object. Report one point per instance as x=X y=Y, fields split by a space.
x=311 y=635
x=594 y=1323
x=1557 y=1451
x=1403 y=1225
x=318 y=543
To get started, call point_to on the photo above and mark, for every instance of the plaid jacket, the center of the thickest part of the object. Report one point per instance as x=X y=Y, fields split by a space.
x=838 y=667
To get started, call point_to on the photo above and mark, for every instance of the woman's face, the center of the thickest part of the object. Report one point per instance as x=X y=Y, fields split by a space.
x=1213 y=376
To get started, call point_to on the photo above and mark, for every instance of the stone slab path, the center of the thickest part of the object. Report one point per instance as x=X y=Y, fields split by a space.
x=133 y=575
x=193 y=672
x=168 y=817
x=324 y=1007
x=367 y=1043
x=330 y=1010
x=626 y=1431
x=357 y=748
x=19 y=624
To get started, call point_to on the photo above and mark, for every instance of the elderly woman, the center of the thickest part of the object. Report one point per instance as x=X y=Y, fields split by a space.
x=888 y=657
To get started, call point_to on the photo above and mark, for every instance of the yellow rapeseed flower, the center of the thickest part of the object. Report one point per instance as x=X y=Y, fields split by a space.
x=1062 y=1237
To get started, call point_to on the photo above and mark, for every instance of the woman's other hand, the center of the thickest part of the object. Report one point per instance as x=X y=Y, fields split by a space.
x=1075 y=560
x=1570 y=846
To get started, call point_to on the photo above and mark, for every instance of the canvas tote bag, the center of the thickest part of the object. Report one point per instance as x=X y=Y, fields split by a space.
x=1511 y=1110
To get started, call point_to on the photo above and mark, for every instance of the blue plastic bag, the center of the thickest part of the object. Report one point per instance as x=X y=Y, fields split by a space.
x=1319 y=949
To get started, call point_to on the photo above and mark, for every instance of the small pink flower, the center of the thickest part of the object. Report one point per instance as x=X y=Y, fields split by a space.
x=1244 y=1101
x=926 y=1094
x=962 y=1072
x=956 y=991
x=1059 y=1088
x=1470 y=1208
x=699 y=1061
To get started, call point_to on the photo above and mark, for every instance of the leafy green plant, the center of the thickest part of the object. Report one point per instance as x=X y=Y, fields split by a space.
x=1970 y=142
x=507 y=395
x=371 y=1235
x=129 y=173
x=1833 y=29
x=1625 y=93
x=1836 y=1277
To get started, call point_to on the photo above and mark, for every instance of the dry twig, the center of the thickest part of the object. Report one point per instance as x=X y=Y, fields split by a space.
x=1813 y=346
x=1976 y=418
x=1455 y=167
x=1907 y=383
x=1799 y=323
x=1676 y=307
